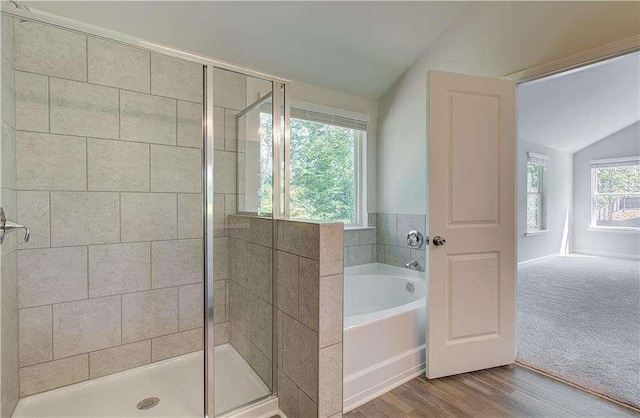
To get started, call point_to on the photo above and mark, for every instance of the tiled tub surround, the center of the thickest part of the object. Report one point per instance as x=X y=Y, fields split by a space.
x=9 y=384
x=305 y=301
x=360 y=246
x=392 y=247
x=385 y=241
x=108 y=146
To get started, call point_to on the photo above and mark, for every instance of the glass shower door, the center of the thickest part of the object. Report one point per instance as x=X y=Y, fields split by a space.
x=243 y=239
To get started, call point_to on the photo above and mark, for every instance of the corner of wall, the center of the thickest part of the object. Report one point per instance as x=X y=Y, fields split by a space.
x=9 y=381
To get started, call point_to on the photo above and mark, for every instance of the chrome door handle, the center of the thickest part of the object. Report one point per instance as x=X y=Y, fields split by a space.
x=438 y=241
x=7 y=226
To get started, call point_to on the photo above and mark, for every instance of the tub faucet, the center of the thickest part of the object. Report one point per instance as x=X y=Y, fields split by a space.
x=413 y=263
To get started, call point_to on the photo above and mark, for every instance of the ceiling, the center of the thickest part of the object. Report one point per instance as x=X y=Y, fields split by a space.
x=573 y=111
x=358 y=47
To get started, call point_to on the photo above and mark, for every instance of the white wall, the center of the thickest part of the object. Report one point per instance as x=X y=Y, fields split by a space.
x=624 y=143
x=326 y=97
x=490 y=39
x=558 y=203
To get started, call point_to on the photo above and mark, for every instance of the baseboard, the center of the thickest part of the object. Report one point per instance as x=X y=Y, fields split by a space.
x=605 y=254
x=533 y=260
x=386 y=376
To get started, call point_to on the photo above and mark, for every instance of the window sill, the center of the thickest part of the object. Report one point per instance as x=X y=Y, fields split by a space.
x=536 y=233
x=618 y=229
x=357 y=228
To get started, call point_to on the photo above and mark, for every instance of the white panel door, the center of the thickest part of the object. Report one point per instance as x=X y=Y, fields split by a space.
x=472 y=157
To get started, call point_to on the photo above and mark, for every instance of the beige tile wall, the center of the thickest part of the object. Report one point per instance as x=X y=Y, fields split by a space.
x=385 y=241
x=250 y=291
x=360 y=245
x=108 y=176
x=301 y=316
x=309 y=318
x=9 y=346
x=108 y=150
x=392 y=247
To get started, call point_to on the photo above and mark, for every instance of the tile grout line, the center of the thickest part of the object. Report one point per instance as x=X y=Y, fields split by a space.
x=102 y=191
x=87 y=353
x=112 y=87
x=57 y=134
x=108 y=243
x=151 y=289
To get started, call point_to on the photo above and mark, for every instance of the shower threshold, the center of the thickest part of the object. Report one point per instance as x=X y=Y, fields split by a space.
x=176 y=383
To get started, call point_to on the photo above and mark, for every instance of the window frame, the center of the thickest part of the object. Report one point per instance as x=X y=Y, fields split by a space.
x=360 y=180
x=594 y=166
x=541 y=163
x=360 y=159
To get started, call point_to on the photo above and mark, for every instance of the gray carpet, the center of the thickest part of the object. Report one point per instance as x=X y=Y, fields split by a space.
x=579 y=320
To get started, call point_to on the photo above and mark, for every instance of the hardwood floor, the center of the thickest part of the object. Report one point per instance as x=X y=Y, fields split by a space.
x=510 y=391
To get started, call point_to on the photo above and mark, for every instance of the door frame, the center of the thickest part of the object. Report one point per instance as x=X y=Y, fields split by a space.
x=578 y=61
x=566 y=65
x=557 y=68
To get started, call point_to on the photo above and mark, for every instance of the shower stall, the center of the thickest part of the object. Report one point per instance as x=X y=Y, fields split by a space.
x=148 y=181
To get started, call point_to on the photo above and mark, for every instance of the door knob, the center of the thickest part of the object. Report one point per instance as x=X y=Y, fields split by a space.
x=438 y=240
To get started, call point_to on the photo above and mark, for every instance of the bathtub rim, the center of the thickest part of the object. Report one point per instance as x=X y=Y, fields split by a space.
x=378 y=269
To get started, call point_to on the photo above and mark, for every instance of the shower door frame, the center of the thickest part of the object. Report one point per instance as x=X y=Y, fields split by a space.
x=208 y=65
x=281 y=111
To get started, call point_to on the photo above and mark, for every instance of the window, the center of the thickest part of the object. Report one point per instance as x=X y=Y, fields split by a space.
x=254 y=167
x=327 y=155
x=615 y=193
x=536 y=191
x=326 y=172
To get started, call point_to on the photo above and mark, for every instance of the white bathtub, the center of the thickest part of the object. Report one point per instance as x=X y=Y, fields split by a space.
x=384 y=330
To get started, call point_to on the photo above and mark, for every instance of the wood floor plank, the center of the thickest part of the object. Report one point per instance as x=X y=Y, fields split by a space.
x=509 y=391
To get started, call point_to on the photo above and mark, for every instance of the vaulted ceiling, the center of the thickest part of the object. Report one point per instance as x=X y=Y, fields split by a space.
x=360 y=48
x=572 y=111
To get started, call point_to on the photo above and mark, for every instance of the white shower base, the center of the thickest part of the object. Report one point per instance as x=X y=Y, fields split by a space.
x=178 y=382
